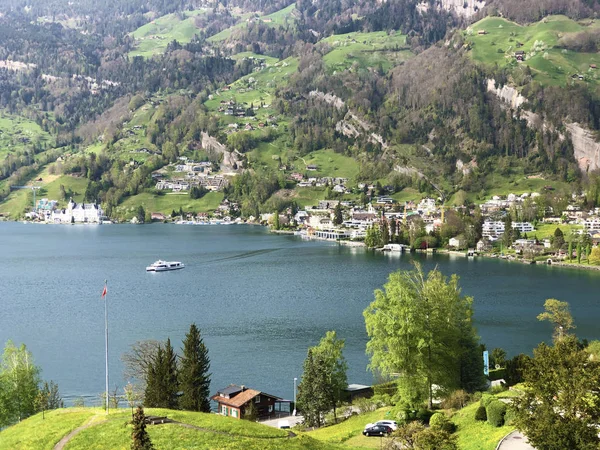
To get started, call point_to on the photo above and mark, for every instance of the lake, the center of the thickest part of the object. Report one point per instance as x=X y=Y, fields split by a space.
x=259 y=299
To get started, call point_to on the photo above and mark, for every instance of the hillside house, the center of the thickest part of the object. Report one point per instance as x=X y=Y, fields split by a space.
x=233 y=401
x=520 y=55
x=78 y=213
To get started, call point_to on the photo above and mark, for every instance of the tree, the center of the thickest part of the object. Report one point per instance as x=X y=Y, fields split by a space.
x=140 y=214
x=421 y=328
x=48 y=397
x=276 y=220
x=559 y=405
x=594 y=257
x=19 y=384
x=161 y=383
x=559 y=239
x=329 y=351
x=338 y=218
x=414 y=436
x=373 y=237
x=132 y=395
x=558 y=313
x=140 y=440
x=570 y=250
x=194 y=378
x=498 y=357
x=137 y=362
x=312 y=398
x=579 y=253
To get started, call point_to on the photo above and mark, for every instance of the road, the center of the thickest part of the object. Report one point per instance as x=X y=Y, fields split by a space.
x=515 y=441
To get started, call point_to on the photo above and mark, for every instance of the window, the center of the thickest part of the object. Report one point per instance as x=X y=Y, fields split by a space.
x=224 y=410
x=257 y=399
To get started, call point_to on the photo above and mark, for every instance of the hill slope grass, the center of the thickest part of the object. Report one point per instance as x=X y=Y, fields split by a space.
x=477 y=435
x=196 y=430
x=549 y=63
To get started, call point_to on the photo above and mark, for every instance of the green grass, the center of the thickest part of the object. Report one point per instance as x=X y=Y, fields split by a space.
x=330 y=164
x=153 y=38
x=350 y=428
x=407 y=195
x=18 y=133
x=477 y=435
x=167 y=203
x=114 y=432
x=43 y=434
x=377 y=49
x=545 y=230
x=550 y=65
x=282 y=17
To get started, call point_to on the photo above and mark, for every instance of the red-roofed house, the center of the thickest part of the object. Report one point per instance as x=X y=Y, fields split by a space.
x=233 y=401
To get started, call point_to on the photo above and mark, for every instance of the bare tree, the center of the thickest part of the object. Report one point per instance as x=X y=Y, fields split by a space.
x=137 y=361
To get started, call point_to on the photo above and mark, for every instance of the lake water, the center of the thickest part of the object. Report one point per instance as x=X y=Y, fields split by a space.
x=260 y=300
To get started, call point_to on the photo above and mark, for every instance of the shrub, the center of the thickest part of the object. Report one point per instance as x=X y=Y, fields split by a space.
x=498 y=388
x=365 y=405
x=495 y=413
x=456 y=400
x=480 y=414
x=423 y=416
x=486 y=399
x=440 y=421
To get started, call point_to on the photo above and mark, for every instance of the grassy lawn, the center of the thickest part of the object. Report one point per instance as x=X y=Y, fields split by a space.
x=153 y=38
x=350 y=431
x=366 y=49
x=18 y=133
x=167 y=203
x=549 y=64
x=42 y=434
x=408 y=194
x=545 y=230
x=476 y=435
x=330 y=164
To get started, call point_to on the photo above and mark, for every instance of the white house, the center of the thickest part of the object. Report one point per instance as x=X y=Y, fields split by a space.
x=456 y=242
x=78 y=213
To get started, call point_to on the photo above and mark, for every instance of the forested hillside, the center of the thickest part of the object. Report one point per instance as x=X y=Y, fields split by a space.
x=402 y=94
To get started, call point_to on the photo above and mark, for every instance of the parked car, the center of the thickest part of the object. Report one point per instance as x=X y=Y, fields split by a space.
x=390 y=423
x=378 y=430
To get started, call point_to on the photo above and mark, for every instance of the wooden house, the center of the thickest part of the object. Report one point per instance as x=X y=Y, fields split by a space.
x=233 y=401
x=520 y=55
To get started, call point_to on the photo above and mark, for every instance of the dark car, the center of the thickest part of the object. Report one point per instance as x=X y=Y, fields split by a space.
x=378 y=430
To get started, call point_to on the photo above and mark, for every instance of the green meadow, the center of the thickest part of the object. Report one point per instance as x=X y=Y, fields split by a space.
x=18 y=133
x=549 y=63
x=153 y=37
x=378 y=49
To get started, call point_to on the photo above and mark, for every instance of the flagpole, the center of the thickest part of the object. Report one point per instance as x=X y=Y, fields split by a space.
x=106 y=340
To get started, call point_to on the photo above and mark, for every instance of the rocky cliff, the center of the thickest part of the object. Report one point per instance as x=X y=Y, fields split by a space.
x=466 y=8
x=586 y=149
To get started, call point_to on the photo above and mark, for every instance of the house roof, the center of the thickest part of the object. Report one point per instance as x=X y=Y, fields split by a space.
x=239 y=400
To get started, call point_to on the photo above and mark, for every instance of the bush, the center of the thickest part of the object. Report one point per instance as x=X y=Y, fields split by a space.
x=496 y=411
x=480 y=414
x=423 y=416
x=365 y=405
x=486 y=399
x=440 y=421
x=456 y=400
x=510 y=416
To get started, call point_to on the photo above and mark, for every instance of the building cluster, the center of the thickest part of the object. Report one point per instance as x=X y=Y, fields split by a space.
x=47 y=211
x=190 y=174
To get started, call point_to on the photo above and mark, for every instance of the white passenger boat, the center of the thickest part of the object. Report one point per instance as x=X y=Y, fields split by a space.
x=163 y=266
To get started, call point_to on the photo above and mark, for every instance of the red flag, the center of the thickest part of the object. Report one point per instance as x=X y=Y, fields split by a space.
x=104 y=292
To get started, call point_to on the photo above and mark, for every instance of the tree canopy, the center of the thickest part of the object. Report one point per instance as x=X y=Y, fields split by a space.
x=420 y=329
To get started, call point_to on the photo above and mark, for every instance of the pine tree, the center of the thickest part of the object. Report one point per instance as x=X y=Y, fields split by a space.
x=161 y=382
x=338 y=218
x=312 y=398
x=276 y=220
x=140 y=440
x=194 y=379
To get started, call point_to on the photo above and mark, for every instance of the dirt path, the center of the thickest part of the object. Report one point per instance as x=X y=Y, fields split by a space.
x=91 y=422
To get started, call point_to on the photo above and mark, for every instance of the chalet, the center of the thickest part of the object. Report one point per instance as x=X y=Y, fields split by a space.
x=520 y=55
x=235 y=400
x=312 y=167
x=481 y=32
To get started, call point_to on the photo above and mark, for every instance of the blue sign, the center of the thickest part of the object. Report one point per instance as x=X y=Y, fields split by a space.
x=486 y=363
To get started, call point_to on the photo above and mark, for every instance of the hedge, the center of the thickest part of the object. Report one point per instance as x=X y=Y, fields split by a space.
x=495 y=413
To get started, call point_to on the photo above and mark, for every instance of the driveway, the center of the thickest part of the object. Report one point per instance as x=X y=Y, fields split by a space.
x=515 y=441
x=292 y=420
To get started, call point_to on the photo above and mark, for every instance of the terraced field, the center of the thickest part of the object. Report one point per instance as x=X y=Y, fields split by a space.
x=495 y=40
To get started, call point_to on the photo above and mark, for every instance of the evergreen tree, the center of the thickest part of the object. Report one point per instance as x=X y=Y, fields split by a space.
x=276 y=220
x=194 y=379
x=338 y=218
x=570 y=250
x=140 y=440
x=579 y=253
x=161 y=382
x=312 y=398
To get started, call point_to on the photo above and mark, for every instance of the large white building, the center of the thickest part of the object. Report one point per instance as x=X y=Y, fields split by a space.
x=493 y=230
x=78 y=213
x=592 y=225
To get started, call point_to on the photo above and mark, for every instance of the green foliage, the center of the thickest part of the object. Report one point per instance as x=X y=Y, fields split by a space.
x=420 y=326
x=374 y=237
x=480 y=413
x=276 y=220
x=324 y=379
x=161 y=379
x=416 y=437
x=498 y=357
x=558 y=314
x=558 y=408
x=19 y=384
x=140 y=440
x=250 y=412
x=194 y=378
x=594 y=257
x=495 y=412
x=441 y=422
x=337 y=214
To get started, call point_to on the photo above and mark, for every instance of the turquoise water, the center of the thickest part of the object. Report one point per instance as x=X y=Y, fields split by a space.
x=260 y=300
